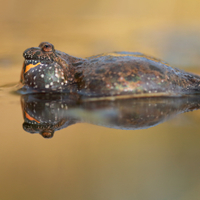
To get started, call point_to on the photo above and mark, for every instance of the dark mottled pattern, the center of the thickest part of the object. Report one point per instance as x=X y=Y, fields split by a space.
x=46 y=113
x=111 y=74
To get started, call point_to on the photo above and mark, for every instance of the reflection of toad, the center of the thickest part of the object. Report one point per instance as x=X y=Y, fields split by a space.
x=46 y=114
x=119 y=74
x=43 y=115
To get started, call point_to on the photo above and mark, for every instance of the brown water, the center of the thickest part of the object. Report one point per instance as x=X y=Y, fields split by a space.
x=88 y=161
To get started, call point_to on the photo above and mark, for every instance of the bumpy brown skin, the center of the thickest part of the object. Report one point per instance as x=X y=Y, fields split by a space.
x=105 y=75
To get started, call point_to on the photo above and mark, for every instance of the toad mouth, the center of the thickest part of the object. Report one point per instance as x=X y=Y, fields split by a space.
x=30 y=64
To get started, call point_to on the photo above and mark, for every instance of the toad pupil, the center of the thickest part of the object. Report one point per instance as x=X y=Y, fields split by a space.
x=117 y=74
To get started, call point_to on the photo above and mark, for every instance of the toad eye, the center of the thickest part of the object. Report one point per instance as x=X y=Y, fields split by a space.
x=47 y=48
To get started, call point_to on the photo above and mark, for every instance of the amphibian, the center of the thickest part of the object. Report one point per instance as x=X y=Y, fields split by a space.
x=46 y=70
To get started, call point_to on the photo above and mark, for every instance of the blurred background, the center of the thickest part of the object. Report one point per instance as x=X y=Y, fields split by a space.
x=86 y=161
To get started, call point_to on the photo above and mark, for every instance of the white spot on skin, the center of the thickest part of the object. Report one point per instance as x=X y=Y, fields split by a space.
x=47 y=86
x=34 y=77
x=51 y=83
x=42 y=75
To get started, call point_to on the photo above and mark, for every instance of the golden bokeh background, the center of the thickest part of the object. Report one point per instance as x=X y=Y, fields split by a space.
x=84 y=161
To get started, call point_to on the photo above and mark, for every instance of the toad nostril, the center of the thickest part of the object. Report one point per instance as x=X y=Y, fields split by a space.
x=25 y=53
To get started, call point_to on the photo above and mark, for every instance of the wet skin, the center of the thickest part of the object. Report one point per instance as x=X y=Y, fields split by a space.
x=127 y=74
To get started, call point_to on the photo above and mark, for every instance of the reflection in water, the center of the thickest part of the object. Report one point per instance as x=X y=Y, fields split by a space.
x=46 y=114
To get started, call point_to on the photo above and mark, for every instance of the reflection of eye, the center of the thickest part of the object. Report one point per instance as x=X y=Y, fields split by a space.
x=47 y=47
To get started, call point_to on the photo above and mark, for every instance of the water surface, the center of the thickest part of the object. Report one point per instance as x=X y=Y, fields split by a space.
x=117 y=149
x=124 y=150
